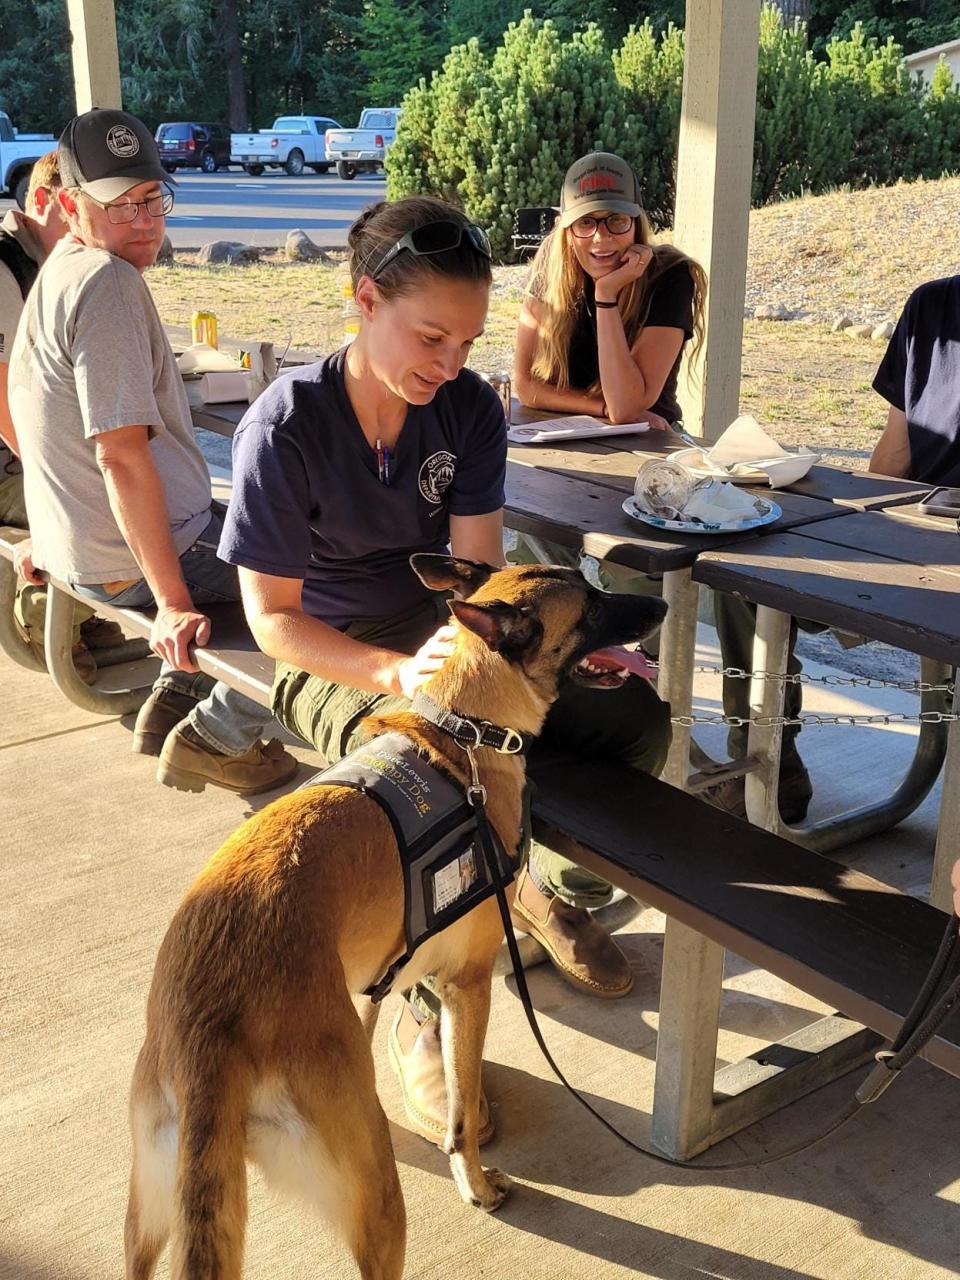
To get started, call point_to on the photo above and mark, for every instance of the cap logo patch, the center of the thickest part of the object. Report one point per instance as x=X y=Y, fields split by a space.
x=591 y=182
x=122 y=141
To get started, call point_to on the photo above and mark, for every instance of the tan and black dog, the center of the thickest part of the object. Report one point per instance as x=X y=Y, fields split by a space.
x=254 y=1049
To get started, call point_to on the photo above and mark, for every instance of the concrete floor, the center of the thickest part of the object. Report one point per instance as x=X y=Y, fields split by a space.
x=95 y=857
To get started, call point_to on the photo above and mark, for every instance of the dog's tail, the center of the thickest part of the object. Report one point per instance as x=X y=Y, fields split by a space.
x=210 y=1215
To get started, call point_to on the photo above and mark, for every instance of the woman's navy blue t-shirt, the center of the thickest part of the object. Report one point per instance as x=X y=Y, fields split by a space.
x=920 y=375
x=308 y=503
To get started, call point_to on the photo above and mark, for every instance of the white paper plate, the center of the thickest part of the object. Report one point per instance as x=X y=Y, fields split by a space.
x=768 y=513
x=779 y=471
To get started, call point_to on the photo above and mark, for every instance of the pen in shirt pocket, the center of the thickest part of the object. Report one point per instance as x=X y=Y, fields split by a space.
x=383 y=462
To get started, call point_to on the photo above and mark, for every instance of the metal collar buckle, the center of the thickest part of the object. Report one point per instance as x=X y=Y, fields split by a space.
x=477 y=729
x=512 y=743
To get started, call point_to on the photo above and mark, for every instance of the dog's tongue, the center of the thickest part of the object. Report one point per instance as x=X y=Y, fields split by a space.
x=629 y=659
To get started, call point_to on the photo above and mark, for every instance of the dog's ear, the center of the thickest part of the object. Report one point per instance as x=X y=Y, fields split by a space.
x=501 y=626
x=450 y=573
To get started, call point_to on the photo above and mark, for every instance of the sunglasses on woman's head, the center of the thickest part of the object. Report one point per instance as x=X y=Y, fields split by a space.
x=617 y=224
x=436 y=237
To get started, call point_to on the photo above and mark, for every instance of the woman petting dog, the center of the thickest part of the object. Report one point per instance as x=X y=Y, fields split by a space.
x=341 y=471
x=602 y=331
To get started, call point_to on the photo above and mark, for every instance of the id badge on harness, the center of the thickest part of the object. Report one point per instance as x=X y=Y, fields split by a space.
x=444 y=873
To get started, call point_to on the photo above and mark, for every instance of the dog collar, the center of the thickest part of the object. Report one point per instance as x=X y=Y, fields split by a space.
x=471 y=733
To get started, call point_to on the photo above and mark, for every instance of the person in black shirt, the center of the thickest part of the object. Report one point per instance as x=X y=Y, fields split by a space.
x=919 y=377
x=606 y=314
x=602 y=330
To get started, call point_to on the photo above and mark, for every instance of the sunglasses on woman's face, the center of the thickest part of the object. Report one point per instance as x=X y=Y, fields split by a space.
x=436 y=237
x=617 y=224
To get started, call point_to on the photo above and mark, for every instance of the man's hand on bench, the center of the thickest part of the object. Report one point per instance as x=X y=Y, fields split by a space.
x=23 y=563
x=173 y=631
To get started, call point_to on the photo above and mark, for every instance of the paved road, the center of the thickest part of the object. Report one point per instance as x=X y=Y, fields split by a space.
x=233 y=206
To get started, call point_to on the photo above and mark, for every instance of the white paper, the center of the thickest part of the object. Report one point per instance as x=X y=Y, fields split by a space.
x=220 y=388
x=577 y=427
x=203 y=359
x=744 y=441
x=719 y=502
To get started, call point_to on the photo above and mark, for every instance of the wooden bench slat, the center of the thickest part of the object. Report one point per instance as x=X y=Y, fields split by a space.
x=861 y=490
x=231 y=656
x=895 y=535
x=847 y=588
x=842 y=936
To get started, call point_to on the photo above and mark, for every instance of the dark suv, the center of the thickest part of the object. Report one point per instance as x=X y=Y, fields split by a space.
x=185 y=145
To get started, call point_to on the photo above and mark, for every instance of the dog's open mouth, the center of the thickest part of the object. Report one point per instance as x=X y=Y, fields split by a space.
x=610 y=668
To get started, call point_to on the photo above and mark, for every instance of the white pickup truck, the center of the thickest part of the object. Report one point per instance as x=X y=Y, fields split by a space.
x=294 y=143
x=362 y=150
x=18 y=153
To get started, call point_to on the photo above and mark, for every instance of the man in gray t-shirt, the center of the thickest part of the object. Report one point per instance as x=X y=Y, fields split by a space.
x=117 y=491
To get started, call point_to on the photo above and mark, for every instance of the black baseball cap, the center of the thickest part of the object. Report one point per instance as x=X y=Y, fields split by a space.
x=106 y=152
x=596 y=183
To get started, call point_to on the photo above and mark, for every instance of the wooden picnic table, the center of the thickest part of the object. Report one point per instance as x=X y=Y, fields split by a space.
x=572 y=495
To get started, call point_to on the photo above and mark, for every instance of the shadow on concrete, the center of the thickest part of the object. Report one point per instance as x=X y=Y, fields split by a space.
x=875 y=1172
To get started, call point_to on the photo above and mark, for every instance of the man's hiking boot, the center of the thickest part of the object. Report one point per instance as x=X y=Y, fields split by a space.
x=414 y=1051
x=159 y=715
x=189 y=764
x=579 y=947
x=794 y=793
x=101 y=633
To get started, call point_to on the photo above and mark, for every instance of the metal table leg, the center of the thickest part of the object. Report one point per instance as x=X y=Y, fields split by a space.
x=690 y=987
x=948 y=832
x=58 y=642
x=828 y=834
x=11 y=641
x=678 y=641
x=770 y=648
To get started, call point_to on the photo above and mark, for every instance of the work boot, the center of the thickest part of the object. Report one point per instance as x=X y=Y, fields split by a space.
x=414 y=1051
x=580 y=948
x=84 y=662
x=794 y=793
x=188 y=763
x=101 y=633
x=160 y=714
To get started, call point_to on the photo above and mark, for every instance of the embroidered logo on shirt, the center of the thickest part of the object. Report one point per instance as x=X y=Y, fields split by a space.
x=436 y=475
x=122 y=141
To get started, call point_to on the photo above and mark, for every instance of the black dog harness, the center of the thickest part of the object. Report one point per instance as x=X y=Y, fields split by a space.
x=444 y=872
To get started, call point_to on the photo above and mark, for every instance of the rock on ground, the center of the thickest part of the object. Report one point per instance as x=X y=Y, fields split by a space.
x=300 y=248
x=228 y=251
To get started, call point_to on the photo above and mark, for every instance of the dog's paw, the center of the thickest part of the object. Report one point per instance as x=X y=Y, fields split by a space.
x=497 y=1189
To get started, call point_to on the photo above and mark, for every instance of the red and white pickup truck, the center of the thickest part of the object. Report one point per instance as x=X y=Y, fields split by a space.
x=362 y=150
x=294 y=143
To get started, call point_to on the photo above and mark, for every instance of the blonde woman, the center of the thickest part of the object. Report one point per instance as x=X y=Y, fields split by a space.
x=602 y=331
x=607 y=314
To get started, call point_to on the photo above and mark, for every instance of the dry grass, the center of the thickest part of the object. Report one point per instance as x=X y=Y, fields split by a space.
x=862 y=253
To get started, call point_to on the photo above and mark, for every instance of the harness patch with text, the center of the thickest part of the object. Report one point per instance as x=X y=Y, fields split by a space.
x=444 y=872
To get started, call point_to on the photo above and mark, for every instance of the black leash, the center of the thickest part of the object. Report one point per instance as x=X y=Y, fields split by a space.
x=935 y=1001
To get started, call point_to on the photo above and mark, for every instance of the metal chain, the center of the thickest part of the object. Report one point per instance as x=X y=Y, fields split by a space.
x=770 y=722
x=842 y=682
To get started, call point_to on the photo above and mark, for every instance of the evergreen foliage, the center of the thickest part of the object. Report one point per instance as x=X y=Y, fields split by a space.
x=496 y=132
